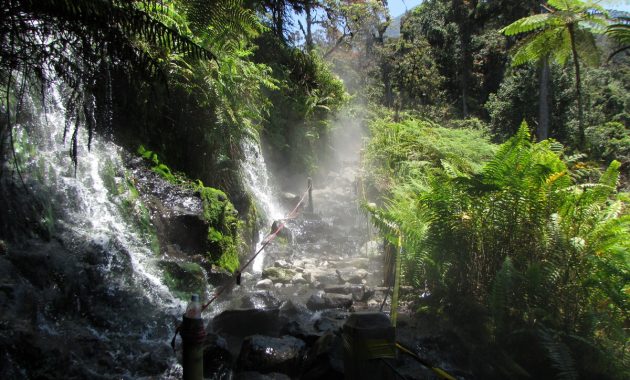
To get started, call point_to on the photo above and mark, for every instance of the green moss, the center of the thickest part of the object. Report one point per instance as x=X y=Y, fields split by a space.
x=223 y=223
x=223 y=233
x=183 y=278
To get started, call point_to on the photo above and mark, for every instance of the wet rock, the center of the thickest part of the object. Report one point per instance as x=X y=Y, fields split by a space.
x=264 y=284
x=183 y=278
x=326 y=324
x=325 y=277
x=246 y=277
x=268 y=354
x=298 y=330
x=353 y=276
x=290 y=309
x=329 y=301
x=278 y=275
x=217 y=358
x=359 y=292
x=218 y=276
x=331 y=321
x=260 y=300
x=251 y=375
x=282 y=264
x=325 y=359
x=155 y=360
x=299 y=279
x=284 y=232
x=245 y=322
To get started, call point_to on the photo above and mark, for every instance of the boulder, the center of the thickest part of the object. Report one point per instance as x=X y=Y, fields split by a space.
x=298 y=330
x=331 y=321
x=329 y=301
x=260 y=299
x=267 y=354
x=218 y=276
x=217 y=358
x=265 y=284
x=245 y=322
x=325 y=359
x=278 y=275
x=252 y=375
x=359 y=292
x=282 y=264
x=299 y=279
x=183 y=278
x=352 y=275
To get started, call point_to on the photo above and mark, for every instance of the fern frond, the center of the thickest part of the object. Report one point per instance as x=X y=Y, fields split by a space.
x=559 y=354
x=527 y=24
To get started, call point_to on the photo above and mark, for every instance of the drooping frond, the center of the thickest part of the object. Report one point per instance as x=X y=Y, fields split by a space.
x=620 y=32
x=559 y=354
x=540 y=45
x=527 y=24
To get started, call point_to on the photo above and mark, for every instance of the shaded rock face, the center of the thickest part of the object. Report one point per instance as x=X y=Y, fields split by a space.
x=176 y=212
x=183 y=278
x=325 y=359
x=62 y=318
x=329 y=301
x=245 y=322
x=217 y=359
x=268 y=354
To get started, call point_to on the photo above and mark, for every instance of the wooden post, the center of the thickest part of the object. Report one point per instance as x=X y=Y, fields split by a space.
x=193 y=335
x=397 y=267
x=369 y=343
x=309 y=182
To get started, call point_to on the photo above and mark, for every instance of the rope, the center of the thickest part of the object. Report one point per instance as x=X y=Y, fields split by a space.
x=268 y=239
x=437 y=370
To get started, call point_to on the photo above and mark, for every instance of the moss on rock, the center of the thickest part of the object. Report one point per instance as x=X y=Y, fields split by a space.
x=183 y=278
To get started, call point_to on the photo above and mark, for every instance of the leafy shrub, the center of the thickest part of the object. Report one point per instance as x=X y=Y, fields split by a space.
x=523 y=239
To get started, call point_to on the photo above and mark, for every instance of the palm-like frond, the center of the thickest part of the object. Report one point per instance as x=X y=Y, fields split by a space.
x=620 y=32
x=527 y=24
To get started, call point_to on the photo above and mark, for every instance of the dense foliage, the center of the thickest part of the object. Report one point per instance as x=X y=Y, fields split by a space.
x=540 y=251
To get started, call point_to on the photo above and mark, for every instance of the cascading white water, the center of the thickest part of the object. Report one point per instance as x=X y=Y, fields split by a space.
x=256 y=178
x=92 y=214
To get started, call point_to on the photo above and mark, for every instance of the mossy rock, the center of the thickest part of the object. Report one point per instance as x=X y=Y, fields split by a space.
x=281 y=275
x=183 y=278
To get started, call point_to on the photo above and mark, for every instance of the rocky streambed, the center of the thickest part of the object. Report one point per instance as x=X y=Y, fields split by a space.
x=286 y=321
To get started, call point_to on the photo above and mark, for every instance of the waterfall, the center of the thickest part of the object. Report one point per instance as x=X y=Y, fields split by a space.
x=88 y=213
x=256 y=179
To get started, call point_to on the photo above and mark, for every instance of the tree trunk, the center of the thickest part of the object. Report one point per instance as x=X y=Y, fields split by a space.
x=465 y=65
x=578 y=88
x=278 y=19
x=543 y=102
x=309 y=24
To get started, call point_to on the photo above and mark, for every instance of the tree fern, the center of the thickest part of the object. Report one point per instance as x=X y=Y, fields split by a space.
x=620 y=32
x=559 y=354
x=500 y=295
x=565 y=30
